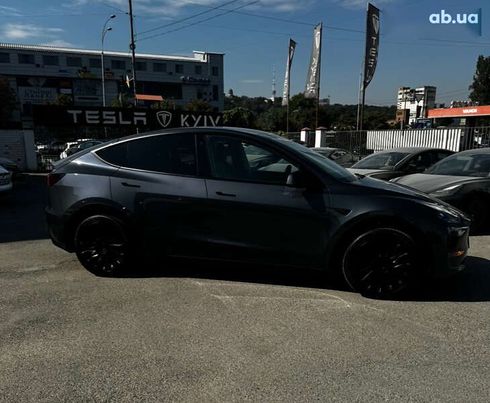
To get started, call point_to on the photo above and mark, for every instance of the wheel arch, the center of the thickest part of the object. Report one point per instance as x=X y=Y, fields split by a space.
x=371 y=221
x=80 y=211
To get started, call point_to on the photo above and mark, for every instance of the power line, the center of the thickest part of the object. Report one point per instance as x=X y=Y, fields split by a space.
x=198 y=22
x=104 y=3
x=268 y=17
x=187 y=18
x=50 y=15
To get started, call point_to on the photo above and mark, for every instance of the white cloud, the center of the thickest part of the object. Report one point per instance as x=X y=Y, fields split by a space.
x=17 y=32
x=60 y=43
x=362 y=3
x=172 y=7
x=4 y=10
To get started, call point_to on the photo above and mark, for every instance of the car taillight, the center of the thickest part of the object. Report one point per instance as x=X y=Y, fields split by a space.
x=54 y=178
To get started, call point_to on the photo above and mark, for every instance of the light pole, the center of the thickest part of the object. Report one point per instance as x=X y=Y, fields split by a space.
x=104 y=32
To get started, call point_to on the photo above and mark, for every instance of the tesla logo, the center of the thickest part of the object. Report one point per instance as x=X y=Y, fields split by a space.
x=164 y=118
x=376 y=24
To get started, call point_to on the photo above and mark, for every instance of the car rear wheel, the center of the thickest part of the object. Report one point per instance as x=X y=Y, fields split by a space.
x=102 y=245
x=380 y=263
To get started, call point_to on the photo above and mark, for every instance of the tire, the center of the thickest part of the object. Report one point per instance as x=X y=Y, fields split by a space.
x=477 y=209
x=102 y=245
x=380 y=263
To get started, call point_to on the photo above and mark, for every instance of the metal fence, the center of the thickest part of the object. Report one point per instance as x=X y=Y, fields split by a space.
x=363 y=143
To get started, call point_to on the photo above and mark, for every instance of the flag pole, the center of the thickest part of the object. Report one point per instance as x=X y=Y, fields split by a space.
x=319 y=75
x=359 y=97
x=287 y=117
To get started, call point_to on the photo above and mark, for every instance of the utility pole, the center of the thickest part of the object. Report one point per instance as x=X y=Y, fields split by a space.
x=132 y=46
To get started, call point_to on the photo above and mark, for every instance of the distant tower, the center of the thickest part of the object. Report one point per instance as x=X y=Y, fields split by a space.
x=273 y=83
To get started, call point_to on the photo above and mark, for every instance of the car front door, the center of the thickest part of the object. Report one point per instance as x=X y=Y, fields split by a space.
x=254 y=215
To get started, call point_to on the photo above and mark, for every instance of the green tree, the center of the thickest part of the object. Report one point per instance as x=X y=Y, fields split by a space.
x=198 y=105
x=272 y=120
x=480 y=89
x=166 y=104
x=239 y=117
x=63 y=100
x=7 y=100
x=122 y=101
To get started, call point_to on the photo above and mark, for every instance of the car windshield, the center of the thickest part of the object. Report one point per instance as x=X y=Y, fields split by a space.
x=381 y=160
x=477 y=164
x=323 y=152
x=325 y=164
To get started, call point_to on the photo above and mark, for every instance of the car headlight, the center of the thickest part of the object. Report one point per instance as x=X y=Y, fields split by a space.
x=447 y=191
x=446 y=213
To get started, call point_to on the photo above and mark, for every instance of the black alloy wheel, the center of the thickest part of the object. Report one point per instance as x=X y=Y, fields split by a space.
x=102 y=245
x=380 y=263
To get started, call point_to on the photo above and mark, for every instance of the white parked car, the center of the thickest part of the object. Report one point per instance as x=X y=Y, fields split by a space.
x=75 y=146
x=5 y=181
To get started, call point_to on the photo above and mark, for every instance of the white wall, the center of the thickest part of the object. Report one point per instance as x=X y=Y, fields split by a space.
x=18 y=146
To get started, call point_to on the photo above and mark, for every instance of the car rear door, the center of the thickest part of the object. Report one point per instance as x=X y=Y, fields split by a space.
x=253 y=215
x=157 y=183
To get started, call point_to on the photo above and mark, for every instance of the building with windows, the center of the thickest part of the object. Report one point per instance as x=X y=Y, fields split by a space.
x=413 y=103
x=48 y=75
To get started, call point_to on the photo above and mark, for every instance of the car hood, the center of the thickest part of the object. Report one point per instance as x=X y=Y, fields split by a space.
x=429 y=183
x=367 y=172
x=394 y=189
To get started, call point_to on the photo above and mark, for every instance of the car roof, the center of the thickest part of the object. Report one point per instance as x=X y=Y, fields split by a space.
x=197 y=130
x=484 y=150
x=411 y=150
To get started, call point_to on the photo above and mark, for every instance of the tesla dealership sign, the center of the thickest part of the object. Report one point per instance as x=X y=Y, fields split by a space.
x=481 y=110
x=112 y=117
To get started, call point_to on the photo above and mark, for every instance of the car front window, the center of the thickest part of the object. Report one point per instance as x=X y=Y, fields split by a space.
x=328 y=166
x=463 y=165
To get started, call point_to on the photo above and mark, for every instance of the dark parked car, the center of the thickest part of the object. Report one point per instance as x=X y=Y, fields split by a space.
x=200 y=193
x=340 y=156
x=397 y=162
x=462 y=180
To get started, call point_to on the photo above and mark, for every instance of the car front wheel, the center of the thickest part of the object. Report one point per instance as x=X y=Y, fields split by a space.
x=380 y=263
x=102 y=245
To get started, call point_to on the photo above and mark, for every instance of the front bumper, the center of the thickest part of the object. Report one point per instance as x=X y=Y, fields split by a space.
x=453 y=256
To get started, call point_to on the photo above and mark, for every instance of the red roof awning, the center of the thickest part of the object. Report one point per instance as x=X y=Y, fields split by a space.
x=144 y=97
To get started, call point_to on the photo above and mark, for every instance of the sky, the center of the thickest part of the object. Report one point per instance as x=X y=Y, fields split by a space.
x=254 y=35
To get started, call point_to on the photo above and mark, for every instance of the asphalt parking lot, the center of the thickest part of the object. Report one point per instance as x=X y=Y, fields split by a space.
x=213 y=333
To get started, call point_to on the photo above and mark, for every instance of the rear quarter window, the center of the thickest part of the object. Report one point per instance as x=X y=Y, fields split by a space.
x=173 y=154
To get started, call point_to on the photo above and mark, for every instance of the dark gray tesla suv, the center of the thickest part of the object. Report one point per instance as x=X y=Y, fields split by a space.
x=250 y=196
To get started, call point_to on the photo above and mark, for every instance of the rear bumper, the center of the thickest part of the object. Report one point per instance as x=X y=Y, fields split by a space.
x=57 y=230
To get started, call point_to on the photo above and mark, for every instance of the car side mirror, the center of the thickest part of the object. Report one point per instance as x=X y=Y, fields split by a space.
x=299 y=179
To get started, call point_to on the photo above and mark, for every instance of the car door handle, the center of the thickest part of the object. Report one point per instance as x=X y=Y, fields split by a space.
x=130 y=185
x=225 y=194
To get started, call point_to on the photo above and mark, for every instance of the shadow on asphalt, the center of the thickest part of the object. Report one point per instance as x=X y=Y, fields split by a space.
x=473 y=285
x=22 y=211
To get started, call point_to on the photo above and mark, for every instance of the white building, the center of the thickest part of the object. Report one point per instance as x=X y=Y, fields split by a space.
x=415 y=102
x=40 y=74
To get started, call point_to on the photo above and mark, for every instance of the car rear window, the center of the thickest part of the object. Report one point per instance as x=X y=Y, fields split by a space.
x=174 y=154
x=384 y=160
